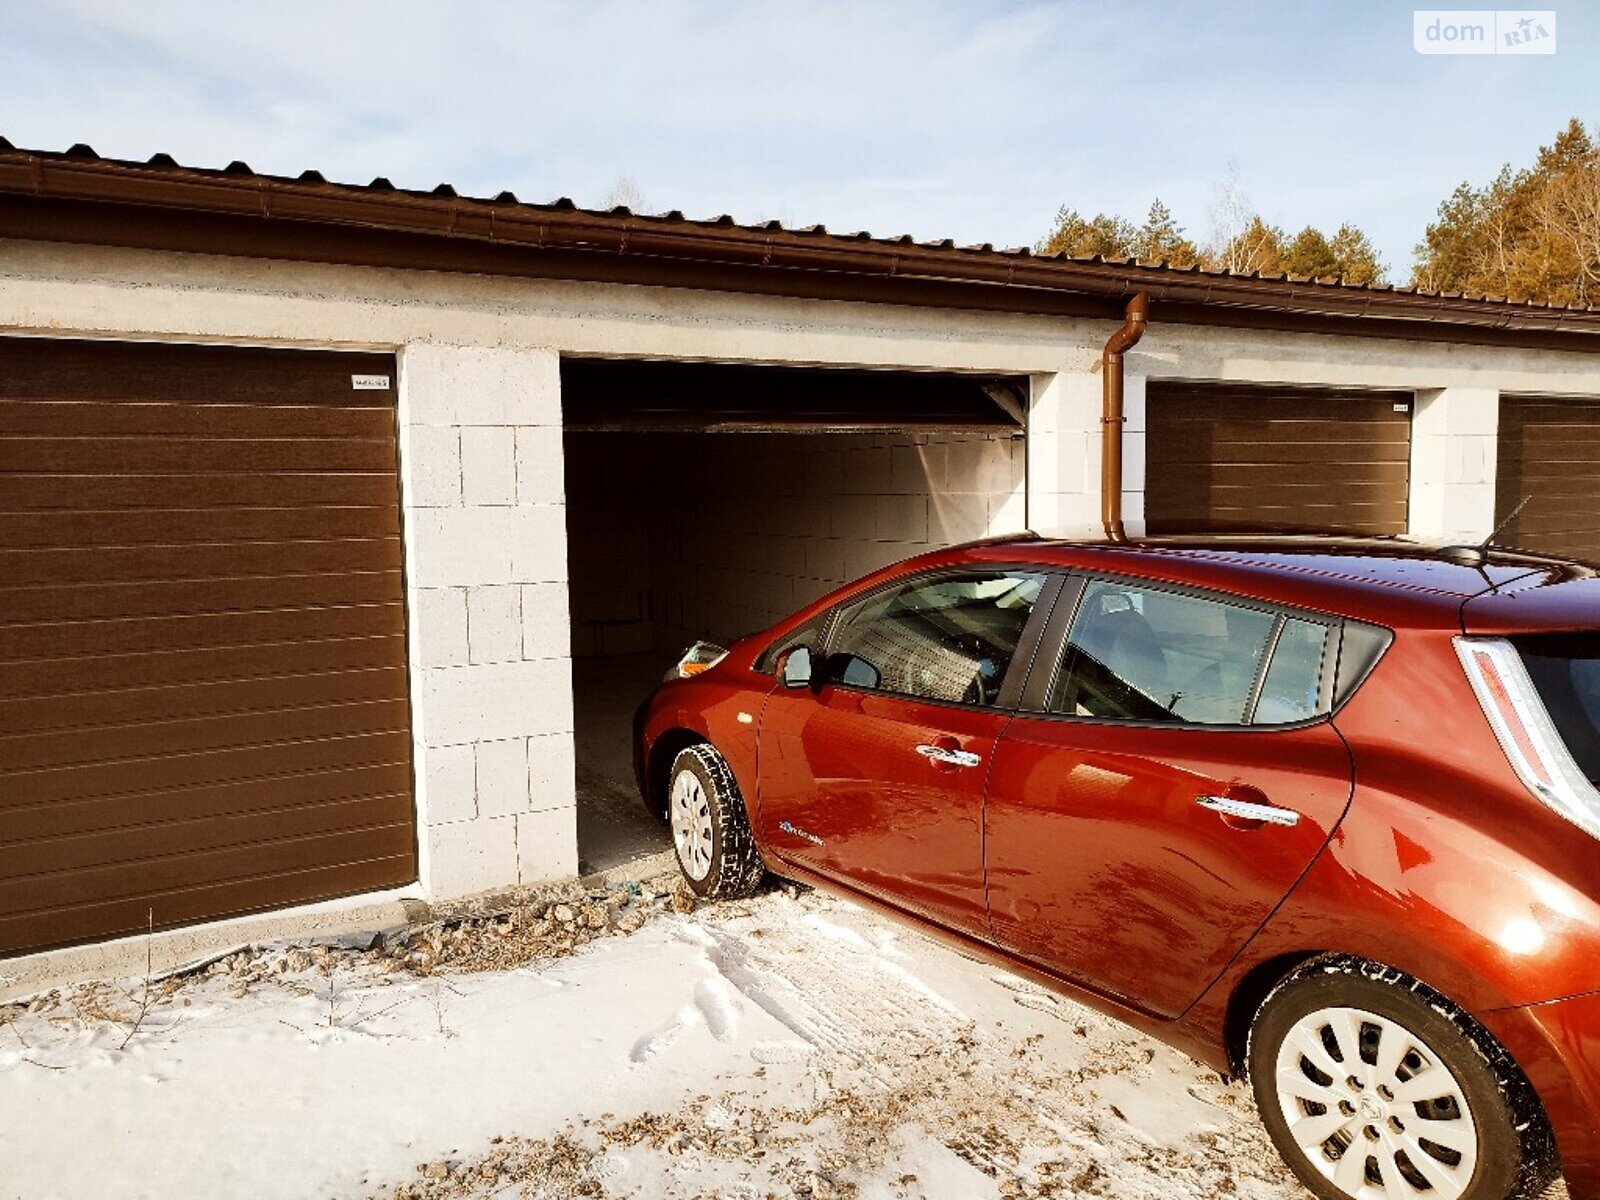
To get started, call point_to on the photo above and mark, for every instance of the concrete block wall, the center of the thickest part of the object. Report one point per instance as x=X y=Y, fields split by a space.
x=1063 y=451
x=774 y=521
x=613 y=502
x=481 y=477
x=739 y=530
x=797 y=516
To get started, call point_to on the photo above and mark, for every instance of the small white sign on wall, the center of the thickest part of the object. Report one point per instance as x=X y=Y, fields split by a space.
x=370 y=383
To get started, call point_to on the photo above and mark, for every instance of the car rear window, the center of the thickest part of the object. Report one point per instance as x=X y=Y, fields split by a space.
x=1565 y=669
x=1292 y=689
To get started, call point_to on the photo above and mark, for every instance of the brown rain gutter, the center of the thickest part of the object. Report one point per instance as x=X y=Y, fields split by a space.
x=1112 y=417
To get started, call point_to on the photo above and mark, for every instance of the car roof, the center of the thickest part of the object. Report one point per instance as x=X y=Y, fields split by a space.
x=1386 y=580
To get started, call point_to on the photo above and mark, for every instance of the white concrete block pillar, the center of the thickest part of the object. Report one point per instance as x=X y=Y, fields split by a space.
x=1133 y=453
x=1454 y=439
x=1064 y=452
x=1064 y=440
x=486 y=565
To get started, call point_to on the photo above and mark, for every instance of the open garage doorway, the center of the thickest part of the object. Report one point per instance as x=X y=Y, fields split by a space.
x=709 y=501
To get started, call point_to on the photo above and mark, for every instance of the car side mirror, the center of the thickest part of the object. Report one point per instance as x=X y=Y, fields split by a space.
x=795 y=669
x=851 y=670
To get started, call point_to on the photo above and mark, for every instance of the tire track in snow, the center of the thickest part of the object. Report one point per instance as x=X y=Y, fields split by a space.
x=856 y=1005
x=712 y=1006
x=846 y=993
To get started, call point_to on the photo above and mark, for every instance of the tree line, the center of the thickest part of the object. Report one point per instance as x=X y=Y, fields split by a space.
x=1529 y=234
x=1242 y=241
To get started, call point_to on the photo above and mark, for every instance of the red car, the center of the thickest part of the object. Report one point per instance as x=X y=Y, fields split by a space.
x=1320 y=812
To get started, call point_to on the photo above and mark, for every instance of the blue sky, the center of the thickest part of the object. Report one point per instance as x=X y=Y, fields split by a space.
x=973 y=121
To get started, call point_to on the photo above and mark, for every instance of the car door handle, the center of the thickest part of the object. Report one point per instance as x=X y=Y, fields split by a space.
x=1244 y=810
x=955 y=758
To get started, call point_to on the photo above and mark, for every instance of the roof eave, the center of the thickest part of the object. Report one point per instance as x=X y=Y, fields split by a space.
x=1029 y=282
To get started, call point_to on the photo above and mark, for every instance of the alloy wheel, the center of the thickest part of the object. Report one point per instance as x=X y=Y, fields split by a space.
x=1374 y=1109
x=691 y=825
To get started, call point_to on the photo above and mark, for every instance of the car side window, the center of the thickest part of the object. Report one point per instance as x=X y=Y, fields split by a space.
x=1292 y=689
x=1145 y=654
x=949 y=637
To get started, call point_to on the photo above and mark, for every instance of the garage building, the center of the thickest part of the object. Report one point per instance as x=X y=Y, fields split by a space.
x=344 y=526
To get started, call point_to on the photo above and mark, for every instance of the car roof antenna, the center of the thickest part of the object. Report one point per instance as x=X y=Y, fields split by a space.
x=1477 y=555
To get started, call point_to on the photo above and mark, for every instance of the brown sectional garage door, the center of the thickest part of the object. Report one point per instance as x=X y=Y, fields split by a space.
x=1247 y=457
x=1550 y=456
x=203 y=696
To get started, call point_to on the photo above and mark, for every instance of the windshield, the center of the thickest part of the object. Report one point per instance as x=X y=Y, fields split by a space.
x=1565 y=669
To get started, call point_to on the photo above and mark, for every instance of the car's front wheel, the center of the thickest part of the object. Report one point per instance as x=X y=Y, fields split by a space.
x=710 y=828
x=1374 y=1087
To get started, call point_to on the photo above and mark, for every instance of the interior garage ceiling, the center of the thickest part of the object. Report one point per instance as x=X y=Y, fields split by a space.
x=634 y=395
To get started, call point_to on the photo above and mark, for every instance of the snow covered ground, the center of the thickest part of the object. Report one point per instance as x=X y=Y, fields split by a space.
x=790 y=1045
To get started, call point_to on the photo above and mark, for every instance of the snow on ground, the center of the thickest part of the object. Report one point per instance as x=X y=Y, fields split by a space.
x=792 y=1045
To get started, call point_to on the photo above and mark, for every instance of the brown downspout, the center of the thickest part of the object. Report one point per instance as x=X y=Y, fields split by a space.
x=1111 y=415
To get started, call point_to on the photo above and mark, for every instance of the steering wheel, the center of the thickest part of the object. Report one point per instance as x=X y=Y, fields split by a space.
x=985 y=685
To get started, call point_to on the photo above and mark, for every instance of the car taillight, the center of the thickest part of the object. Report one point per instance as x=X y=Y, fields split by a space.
x=1528 y=736
x=701 y=656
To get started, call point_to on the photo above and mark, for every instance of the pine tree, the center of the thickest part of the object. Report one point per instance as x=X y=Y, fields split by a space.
x=1354 y=258
x=1161 y=240
x=1310 y=254
x=1083 y=237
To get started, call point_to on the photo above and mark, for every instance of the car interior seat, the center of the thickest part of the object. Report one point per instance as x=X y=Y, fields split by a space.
x=1124 y=641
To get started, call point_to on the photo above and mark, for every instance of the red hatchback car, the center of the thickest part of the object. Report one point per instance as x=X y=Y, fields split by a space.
x=1317 y=811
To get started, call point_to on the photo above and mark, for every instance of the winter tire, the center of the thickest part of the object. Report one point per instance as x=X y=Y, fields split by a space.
x=1375 y=1087
x=710 y=828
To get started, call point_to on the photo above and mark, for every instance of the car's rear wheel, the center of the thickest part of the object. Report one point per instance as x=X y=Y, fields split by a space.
x=1374 y=1087
x=710 y=828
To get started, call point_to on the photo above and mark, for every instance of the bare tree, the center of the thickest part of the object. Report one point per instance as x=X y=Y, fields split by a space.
x=1567 y=212
x=1232 y=214
x=1259 y=248
x=625 y=193
x=148 y=998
